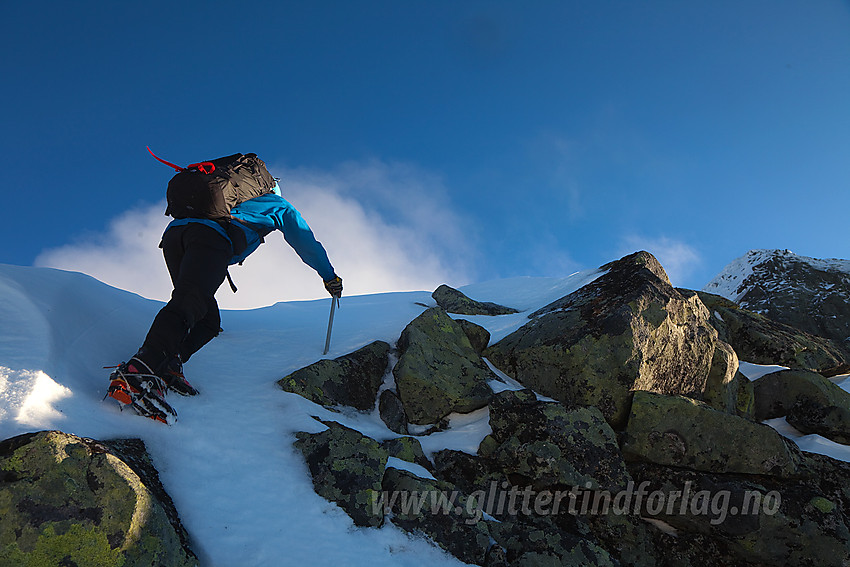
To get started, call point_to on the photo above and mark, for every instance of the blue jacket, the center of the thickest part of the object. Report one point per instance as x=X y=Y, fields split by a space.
x=263 y=215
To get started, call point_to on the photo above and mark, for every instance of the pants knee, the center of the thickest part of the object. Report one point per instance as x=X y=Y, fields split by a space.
x=192 y=306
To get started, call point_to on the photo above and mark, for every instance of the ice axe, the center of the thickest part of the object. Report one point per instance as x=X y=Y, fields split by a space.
x=334 y=301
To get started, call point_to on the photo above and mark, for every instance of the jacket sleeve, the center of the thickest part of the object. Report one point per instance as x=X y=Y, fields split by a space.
x=297 y=234
x=272 y=212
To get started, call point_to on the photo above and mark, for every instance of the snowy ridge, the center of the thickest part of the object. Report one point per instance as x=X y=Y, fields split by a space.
x=732 y=282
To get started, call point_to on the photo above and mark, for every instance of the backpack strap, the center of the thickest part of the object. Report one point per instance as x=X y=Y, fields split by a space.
x=230 y=281
x=204 y=166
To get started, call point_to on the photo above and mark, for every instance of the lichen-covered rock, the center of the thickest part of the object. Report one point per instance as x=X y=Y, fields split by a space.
x=550 y=445
x=455 y=301
x=543 y=544
x=720 y=391
x=627 y=330
x=351 y=380
x=726 y=388
x=762 y=521
x=496 y=557
x=478 y=336
x=438 y=371
x=761 y=340
x=392 y=413
x=832 y=422
x=470 y=473
x=65 y=500
x=682 y=432
x=448 y=517
x=627 y=537
x=347 y=468
x=407 y=449
x=746 y=398
x=777 y=392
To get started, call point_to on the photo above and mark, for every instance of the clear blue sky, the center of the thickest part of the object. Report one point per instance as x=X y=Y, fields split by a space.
x=562 y=134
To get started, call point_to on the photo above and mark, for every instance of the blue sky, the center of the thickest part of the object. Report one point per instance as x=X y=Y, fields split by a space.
x=440 y=140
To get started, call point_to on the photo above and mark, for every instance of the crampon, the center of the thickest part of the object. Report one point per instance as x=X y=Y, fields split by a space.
x=140 y=391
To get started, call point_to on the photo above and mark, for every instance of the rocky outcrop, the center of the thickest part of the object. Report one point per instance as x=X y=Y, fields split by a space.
x=627 y=330
x=727 y=389
x=392 y=413
x=66 y=500
x=691 y=479
x=682 y=432
x=478 y=336
x=353 y=379
x=753 y=520
x=832 y=422
x=761 y=340
x=438 y=371
x=407 y=449
x=347 y=468
x=535 y=443
x=543 y=544
x=452 y=523
x=454 y=301
x=809 y=402
x=777 y=392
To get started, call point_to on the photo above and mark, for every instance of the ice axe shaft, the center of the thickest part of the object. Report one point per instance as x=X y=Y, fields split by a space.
x=334 y=301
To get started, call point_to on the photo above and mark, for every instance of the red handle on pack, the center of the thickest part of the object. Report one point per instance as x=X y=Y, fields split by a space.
x=204 y=166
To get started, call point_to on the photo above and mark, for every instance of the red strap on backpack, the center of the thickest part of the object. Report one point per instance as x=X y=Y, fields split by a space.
x=204 y=166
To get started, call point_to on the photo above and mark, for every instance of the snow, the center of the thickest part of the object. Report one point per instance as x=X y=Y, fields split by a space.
x=243 y=491
x=728 y=282
x=756 y=371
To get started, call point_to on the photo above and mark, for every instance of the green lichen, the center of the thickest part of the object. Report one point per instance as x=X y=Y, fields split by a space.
x=822 y=504
x=80 y=505
x=83 y=546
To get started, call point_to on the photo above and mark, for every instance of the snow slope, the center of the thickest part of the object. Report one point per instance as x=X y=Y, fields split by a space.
x=243 y=492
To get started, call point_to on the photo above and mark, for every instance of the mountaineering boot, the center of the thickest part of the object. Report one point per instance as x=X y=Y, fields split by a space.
x=133 y=384
x=171 y=372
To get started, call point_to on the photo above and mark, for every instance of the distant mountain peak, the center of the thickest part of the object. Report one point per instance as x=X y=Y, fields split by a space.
x=810 y=294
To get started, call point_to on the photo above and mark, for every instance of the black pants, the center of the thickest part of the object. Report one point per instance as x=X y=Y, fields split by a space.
x=197 y=257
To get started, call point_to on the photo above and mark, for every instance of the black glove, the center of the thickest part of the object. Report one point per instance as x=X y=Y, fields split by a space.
x=334 y=286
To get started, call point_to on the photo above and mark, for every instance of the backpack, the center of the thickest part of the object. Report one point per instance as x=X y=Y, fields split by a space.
x=210 y=189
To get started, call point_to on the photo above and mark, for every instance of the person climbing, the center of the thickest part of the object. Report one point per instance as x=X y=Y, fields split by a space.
x=223 y=209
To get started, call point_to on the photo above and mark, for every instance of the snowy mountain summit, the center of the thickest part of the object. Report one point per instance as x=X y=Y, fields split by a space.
x=810 y=294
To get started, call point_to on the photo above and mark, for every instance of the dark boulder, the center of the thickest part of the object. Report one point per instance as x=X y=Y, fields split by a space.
x=682 y=432
x=448 y=517
x=66 y=500
x=454 y=301
x=438 y=371
x=761 y=340
x=545 y=444
x=478 y=336
x=391 y=411
x=627 y=330
x=352 y=380
x=347 y=468
x=777 y=392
